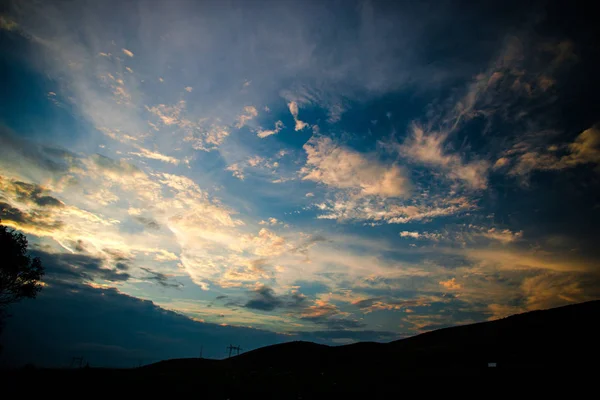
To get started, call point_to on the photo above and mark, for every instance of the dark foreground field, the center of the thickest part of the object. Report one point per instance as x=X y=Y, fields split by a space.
x=541 y=348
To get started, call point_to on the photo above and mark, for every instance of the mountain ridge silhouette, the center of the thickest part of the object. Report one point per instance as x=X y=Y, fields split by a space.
x=528 y=339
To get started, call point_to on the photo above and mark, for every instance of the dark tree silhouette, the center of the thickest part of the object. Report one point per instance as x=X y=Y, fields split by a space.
x=19 y=273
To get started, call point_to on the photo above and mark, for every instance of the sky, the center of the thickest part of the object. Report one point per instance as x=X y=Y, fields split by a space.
x=199 y=174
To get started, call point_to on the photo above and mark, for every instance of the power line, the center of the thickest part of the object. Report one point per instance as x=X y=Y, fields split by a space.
x=231 y=348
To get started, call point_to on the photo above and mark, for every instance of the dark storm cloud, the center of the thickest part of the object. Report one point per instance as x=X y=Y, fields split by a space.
x=161 y=279
x=109 y=328
x=8 y=212
x=147 y=222
x=297 y=304
x=76 y=268
x=34 y=219
x=48 y=201
x=32 y=193
x=122 y=266
x=116 y=255
x=264 y=300
x=20 y=154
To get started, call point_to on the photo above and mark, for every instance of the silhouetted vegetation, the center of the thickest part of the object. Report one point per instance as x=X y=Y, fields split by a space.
x=20 y=274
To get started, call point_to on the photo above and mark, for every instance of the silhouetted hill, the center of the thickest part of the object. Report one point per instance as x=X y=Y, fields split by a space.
x=557 y=345
x=539 y=338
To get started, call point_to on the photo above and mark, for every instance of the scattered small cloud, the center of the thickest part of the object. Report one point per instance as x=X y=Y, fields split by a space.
x=236 y=170
x=293 y=107
x=451 y=284
x=420 y=235
x=264 y=133
x=128 y=53
x=249 y=113
x=270 y=221
x=145 y=153
x=161 y=279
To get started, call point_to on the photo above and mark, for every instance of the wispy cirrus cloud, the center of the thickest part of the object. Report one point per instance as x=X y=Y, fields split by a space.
x=428 y=148
x=585 y=149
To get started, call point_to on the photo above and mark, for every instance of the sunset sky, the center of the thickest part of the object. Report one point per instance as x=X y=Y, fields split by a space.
x=205 y=173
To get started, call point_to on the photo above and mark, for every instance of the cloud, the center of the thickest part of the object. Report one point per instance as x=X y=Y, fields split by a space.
x=386 y=303
x=270 y=221
x=30 y=208
x=325 y=313
x=266 y=243
x=203 y=134
x=26 y=159
x=148 y=222
x=259 y=165
x=333 y=165
x=93 y=205
x=450 y=284
x=391 y=212
x=501 y=163
x=7 y=24
x=423 y=235
x=128 y=53
x=550 y=289
x=293 y=106
x=155 y=156
x=264 y=133
x=78 y=268
x=249 y=113
x=119 y=330
x=29 y=193
x=427 y=148
x=161 y=279
x=169 y=114
x=236 y=170
x=585 y=149
x=264 y=300
x=504 y=236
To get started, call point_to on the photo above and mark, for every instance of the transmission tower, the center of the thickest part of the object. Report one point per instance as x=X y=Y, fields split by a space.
x=77 y=361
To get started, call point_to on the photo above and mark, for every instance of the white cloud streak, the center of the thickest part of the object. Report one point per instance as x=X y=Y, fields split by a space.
x=293 y=107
